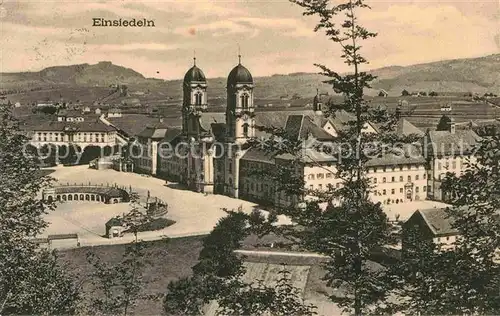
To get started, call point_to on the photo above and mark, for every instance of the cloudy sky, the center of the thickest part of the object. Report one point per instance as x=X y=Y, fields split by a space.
x=273 y=35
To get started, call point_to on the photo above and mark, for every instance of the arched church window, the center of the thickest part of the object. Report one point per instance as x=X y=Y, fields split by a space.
x=244 y=100
x=198 y=98
x=245 y=130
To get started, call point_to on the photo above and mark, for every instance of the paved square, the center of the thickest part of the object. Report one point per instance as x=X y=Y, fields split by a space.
x=194 y=213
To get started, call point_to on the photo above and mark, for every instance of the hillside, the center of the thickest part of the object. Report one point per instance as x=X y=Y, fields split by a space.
x=103 y=74
x=460 y=75
x=473 y=74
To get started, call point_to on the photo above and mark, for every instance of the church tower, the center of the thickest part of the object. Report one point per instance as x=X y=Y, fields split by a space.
x=240 y=108
x=317 y=104
x=194 y=101
x=240 y=124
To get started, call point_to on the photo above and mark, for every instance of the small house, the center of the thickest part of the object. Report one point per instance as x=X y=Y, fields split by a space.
x=383 y=93
x=431 y=224
x=114 y=228
x=437 y=226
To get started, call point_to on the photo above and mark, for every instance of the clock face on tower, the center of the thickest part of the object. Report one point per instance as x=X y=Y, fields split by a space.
x=245 y=117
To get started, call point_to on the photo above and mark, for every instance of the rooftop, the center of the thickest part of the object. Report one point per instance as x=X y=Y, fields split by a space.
x=133 y=124
x=239 y=74
x=258 y=155
x=156 y=130
x=85 y=126
x=438 y=221
x=406 y=210
x=411 y=155
x=302 y=126
x=194 y=74
x=405 y=128
x=444 y=143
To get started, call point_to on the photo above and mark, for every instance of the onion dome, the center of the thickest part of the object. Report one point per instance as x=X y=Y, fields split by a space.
x=239 y=74
x=194 y=74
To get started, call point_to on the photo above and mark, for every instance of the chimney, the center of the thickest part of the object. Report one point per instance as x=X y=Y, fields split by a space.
x=452 y=125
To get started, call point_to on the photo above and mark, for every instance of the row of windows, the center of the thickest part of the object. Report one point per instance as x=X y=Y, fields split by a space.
x=75 y=119
x=425 y=188
x=393 y=168
x=258 y=187
x=453 y=164
x=401 y=178
x=59 y=137
x=320 y=176
x=320 y=186
x=384 y=169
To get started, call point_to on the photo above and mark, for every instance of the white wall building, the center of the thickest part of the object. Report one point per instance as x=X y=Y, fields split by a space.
x=448 y=151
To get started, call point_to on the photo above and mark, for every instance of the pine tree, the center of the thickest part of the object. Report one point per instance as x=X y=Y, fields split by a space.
x=352 y=226
x=475 y=197
x=31 y=280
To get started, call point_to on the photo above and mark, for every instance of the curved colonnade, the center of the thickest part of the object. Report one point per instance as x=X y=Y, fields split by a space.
x=88 y=193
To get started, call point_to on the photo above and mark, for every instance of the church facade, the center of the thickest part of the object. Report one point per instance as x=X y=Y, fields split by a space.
x=205 y=154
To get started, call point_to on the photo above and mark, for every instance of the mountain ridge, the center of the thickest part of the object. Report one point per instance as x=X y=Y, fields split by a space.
x=479 y=74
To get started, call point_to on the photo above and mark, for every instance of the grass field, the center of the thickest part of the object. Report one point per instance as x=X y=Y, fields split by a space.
x=168 y=261
x=173 y=259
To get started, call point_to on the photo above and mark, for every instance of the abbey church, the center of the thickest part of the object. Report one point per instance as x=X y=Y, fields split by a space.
x=209 y=154
x=218 y=160
x=209 y=168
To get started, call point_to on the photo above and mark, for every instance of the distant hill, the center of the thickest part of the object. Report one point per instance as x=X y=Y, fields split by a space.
x=460 y=75
x=479 y=75
x=102 y=73
x=476 y=75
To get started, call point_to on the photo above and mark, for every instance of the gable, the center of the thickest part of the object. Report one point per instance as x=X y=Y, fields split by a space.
x=417 y=221
x=330 y=129
x=369 y=129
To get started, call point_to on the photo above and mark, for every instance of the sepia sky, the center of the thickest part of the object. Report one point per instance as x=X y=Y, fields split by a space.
x=273 y=35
